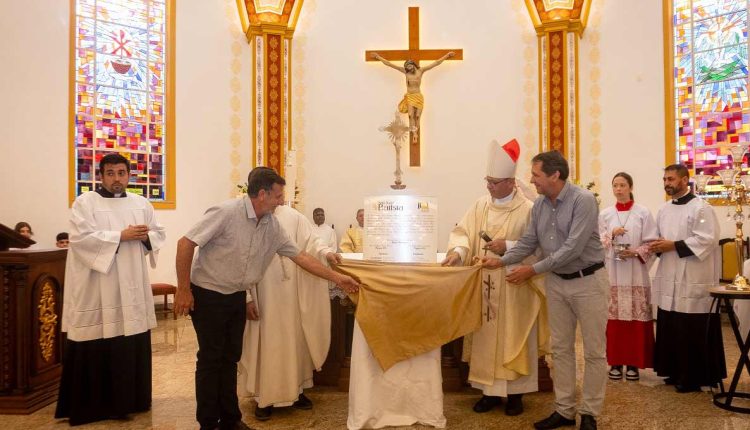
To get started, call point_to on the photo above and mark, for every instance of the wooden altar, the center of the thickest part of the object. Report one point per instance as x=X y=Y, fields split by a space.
x=31 y=344
x=335 y=371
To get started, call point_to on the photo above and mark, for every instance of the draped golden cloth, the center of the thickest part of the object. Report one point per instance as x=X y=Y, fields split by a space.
x=407 y=309
x=411 y=99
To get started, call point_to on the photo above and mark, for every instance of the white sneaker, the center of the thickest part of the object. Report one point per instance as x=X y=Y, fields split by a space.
x=615 y=373
x=632 y=374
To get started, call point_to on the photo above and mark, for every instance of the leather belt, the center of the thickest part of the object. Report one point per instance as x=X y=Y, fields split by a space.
x=581 y=273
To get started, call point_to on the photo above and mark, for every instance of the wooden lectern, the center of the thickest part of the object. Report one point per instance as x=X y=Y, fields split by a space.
x=31 y=342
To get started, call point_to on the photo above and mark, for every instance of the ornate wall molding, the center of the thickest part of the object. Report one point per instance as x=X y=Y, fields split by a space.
x=269 y=30
x=235 y=99
x=593 y=58
x=559 y=26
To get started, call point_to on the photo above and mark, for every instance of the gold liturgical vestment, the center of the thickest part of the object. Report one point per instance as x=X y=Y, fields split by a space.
x=406 y=309
x=352 y=240
x=500 y=349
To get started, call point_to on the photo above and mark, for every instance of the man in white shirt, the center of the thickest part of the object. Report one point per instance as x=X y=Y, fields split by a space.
x=325 y=232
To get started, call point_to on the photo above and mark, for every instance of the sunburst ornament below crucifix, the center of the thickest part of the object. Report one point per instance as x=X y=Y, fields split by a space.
x=397 y=131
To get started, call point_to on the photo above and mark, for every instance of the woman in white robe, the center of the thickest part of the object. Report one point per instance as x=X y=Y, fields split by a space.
x=630 y=325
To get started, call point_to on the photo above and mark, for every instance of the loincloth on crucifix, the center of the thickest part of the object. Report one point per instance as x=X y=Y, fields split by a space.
x=415 y=100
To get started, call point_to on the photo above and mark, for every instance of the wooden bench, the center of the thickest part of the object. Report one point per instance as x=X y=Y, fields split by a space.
x=164 y=290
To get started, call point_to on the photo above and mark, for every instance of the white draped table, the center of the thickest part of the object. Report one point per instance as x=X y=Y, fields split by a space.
x=410 y=392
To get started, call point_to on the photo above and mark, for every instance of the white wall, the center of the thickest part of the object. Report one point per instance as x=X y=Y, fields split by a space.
x=467 y=103
x=631 y=100
x=34 y=53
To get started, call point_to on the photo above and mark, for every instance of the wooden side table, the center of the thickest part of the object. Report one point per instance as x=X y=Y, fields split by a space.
x=724 y=399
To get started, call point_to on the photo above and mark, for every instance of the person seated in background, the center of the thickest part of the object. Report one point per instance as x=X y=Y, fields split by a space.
x=352 y=240
x=62 y=240
x=24 y=229
x=324 y=231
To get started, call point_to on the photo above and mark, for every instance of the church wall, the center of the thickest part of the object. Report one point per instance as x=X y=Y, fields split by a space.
x=622 y=98
x=344 y=157
x=34 y=112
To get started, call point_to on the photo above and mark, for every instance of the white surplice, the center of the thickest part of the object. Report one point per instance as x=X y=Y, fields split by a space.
x=327 y=235
x=107 y=288
x=292 y=337
x=410 y=392
x=681 y=284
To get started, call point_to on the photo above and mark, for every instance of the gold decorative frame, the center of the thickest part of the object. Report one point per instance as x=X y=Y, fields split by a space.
x=47 y=321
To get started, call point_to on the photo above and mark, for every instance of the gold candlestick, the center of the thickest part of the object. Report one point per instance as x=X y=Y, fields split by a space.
x=738 y=191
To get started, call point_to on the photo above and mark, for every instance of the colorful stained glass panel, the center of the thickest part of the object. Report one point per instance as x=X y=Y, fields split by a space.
x=157 y=21
x=120 y=69
x=720 y=31
x=86 y=33
x=121 y=103
x=681 y=12
x=131 y=12
x=707 y=8
x=721 y=64
x=711 y=108
x=683 y=37
x=156 y=47
x=121 y=72
x=121 y=41
x=721 y=96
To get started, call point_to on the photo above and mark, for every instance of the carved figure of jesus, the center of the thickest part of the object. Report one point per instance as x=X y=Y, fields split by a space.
x=413 y=101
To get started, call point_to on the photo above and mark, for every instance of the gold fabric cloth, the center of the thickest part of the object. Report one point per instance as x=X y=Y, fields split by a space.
x=411 y=99
x=407 y=309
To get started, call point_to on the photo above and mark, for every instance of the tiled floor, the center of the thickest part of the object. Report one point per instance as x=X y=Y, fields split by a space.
x=647 y=404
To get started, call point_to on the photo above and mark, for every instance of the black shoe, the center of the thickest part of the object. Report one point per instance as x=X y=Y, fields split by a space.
x=302 y=403
x=486 y=403
x=554 y=421
x=263 y=414
x=686 y=388
x=587 y=423
x=514 y=406
x=670 y=380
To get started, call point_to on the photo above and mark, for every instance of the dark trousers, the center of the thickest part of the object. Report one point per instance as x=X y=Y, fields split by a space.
x=219 y=322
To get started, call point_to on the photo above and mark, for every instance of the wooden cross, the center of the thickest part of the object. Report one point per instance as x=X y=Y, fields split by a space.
x=416 y=54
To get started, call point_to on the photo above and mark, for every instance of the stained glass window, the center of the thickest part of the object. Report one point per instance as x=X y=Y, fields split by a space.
x=120 y=92
x=710 y=82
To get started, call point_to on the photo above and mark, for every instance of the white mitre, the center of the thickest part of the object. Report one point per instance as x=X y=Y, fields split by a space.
x=501 y=162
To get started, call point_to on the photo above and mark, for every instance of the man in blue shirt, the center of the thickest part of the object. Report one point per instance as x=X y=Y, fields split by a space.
x=564 y=222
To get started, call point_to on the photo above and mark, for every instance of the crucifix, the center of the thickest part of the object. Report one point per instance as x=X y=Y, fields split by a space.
x=413 y=101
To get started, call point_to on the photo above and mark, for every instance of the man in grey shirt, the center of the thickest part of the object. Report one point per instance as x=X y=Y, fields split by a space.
x=564 y=222
x=237 y=241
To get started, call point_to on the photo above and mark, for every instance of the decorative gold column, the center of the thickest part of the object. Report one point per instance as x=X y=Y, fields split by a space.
x=269 y=27
x=559 y=25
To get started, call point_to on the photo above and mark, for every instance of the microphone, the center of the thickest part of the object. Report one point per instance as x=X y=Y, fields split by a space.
x=483 y=234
